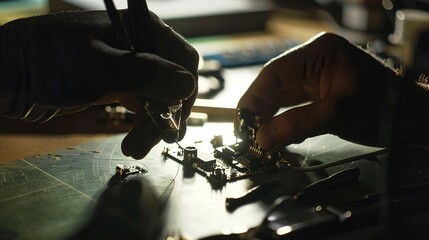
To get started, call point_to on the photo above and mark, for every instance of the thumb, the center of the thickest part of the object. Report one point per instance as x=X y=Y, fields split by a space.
x=296 y=124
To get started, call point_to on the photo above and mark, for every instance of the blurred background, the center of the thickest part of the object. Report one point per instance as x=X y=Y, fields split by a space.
x=392 y=22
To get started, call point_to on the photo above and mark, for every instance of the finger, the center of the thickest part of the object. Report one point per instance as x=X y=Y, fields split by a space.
x=297 y=124
x=141 y=139
x=142 y=74
x=282 y=75
x=270 y=90
x=302 y=72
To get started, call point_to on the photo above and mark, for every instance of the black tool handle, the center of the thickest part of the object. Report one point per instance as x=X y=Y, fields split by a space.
x=341 y=178
x=252 y=195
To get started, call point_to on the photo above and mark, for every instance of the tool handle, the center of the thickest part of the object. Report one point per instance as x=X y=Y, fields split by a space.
x=252 y=195
x=341 y=178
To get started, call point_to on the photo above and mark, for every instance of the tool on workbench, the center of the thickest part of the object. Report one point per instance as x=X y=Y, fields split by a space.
x=252 y=195
x=338 y=179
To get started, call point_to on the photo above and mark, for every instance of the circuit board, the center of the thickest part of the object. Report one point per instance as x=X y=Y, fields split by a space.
x=228 y=163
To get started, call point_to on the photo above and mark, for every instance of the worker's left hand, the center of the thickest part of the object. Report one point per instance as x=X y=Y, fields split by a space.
x=60 y=63
x=345 y=86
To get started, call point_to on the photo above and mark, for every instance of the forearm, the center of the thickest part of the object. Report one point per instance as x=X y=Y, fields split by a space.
x=11 y=73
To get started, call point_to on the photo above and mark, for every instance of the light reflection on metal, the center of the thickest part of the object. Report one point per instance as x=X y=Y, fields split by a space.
x=284 y=230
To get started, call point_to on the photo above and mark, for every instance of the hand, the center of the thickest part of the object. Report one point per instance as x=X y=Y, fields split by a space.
x=69 y=61
x=345 y=85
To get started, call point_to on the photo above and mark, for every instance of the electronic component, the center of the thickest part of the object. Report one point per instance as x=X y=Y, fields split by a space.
x=244 y=158
x=123 y=171
x=166 y=116
x=229 y=162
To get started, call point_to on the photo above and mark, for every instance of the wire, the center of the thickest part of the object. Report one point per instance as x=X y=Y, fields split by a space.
x=182 y=148
x=165 y=196
x=337 y=162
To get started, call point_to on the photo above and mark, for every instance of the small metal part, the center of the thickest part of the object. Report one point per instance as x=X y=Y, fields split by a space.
x=120 y=169
x=165 y=150
x=248 y=125
x=246 y=131
x=218 y=174
x=166 y=116
x=123 y=171
x=283 y=164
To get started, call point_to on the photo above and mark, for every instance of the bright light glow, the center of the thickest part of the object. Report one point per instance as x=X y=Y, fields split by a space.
x=347 y=214
x=400 y=15
x=284 y=230
x=387 y=4
x=239 y=229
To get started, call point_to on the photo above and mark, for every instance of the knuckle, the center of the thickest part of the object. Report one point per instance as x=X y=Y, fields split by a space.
x=329 y=39
x=329 y=43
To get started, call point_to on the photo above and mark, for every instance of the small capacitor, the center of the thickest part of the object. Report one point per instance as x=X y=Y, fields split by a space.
x=190 y=154
x=218 y=173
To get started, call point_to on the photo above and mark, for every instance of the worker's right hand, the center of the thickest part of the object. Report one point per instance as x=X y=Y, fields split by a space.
x=59 y=63
x=345 y=85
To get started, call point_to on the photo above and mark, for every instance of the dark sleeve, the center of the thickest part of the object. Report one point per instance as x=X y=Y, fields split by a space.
x=408 y=163
x=12 y=74
x=410 y=136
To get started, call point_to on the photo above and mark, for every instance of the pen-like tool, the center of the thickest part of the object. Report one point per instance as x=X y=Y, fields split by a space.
x=166 y=115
